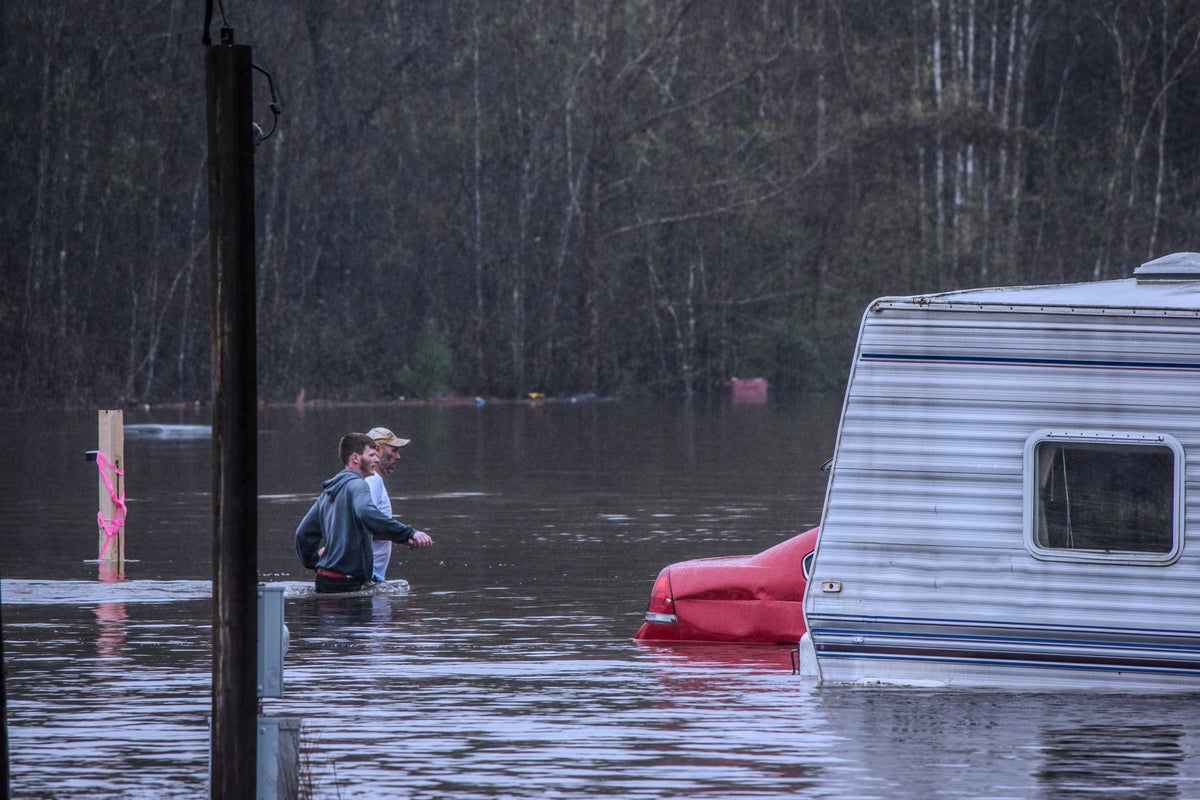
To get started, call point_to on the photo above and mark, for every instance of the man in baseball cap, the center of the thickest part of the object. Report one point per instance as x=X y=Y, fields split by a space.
x=383 y=436
x=388 y=444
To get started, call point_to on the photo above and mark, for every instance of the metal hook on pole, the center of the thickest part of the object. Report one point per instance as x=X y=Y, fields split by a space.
x=275 y=106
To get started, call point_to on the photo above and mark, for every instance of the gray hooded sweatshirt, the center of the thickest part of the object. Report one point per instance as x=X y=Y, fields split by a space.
x=342 y=521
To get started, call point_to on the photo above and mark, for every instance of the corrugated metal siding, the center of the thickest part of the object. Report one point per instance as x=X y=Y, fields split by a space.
x=923 y=518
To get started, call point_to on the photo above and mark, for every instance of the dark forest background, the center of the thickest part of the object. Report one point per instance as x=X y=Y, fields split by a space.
x=499 y=197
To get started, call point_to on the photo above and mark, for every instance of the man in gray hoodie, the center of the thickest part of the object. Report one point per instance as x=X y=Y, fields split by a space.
x=334 y=538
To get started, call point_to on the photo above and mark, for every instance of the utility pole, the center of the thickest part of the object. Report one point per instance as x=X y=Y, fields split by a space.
x=231 y=143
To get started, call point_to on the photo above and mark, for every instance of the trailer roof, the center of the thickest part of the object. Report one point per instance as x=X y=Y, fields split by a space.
x=1128 y=294
x=1170 y=283
x=1167 y=284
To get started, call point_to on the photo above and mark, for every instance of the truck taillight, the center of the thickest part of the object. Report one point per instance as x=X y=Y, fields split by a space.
x=662 y=606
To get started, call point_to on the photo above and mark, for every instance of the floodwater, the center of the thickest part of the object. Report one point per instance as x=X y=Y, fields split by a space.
x=507 y=667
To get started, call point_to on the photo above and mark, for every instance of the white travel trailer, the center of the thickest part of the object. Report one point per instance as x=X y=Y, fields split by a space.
x=1014 y=498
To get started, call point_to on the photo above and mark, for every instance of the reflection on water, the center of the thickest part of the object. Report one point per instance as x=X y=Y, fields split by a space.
x=505 y=667
x=488 y=695
x=100 y=694
x=110 y=621
x=1119 y=760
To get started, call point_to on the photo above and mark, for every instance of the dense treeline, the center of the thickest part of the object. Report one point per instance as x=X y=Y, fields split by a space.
x=498 y=197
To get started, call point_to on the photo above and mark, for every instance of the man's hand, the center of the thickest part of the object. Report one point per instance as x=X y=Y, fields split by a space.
x=420 y=539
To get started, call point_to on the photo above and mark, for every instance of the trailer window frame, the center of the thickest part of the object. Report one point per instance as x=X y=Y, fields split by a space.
x=1150 y=486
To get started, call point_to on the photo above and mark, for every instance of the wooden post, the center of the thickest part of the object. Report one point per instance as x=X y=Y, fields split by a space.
x=234 y=426
x=110 y=459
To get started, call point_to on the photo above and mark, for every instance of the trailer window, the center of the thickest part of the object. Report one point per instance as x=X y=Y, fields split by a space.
x=1104 y=496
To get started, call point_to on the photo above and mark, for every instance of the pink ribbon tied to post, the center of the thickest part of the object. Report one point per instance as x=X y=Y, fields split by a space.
x=110 y=527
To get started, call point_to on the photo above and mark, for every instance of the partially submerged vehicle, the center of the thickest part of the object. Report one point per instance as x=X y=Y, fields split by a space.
x=1014 y=497
x=756 y=599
